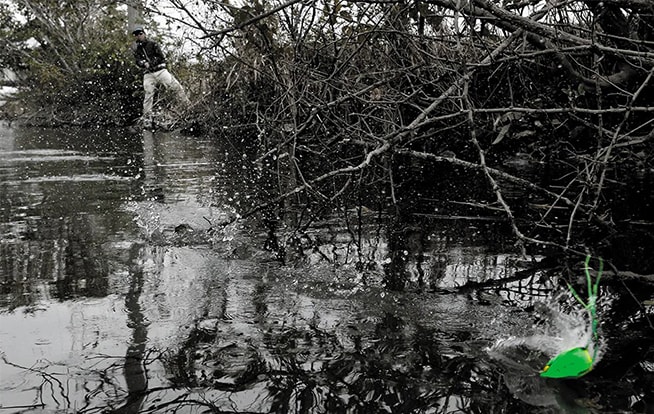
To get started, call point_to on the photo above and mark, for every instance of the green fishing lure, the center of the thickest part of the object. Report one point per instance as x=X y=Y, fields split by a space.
x=577 y=362
x=572 y=363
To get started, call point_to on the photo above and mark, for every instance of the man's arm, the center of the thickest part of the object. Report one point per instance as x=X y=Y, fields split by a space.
x=157 y=58
x=139 y=56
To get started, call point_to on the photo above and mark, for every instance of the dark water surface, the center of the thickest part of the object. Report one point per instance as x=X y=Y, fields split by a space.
x=121 y=291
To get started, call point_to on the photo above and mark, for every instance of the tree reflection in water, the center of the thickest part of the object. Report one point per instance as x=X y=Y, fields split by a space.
x=380 y=377
x=384 y=364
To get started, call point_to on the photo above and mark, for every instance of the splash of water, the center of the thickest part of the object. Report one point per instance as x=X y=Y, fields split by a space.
x=522 y=357
x=556 y=331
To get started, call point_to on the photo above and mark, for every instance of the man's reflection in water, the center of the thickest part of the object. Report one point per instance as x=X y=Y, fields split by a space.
x=134 y=368
x=135 y=374
x=153 y=173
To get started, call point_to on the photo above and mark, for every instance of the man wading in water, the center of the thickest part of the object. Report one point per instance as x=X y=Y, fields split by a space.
x=148 y=55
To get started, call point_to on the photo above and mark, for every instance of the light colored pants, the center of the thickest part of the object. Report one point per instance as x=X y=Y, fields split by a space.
x=160 y=77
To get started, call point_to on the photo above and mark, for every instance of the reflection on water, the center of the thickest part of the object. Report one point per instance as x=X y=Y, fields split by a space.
x=122 y=291
x=134 y=367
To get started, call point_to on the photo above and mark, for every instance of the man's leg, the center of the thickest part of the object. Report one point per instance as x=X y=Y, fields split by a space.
x=149 y=86
x=172 y=83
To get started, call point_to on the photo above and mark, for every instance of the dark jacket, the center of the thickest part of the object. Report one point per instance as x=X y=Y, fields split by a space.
x=150 y=52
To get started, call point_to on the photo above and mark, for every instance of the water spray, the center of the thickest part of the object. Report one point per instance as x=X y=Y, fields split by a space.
x=577 y=362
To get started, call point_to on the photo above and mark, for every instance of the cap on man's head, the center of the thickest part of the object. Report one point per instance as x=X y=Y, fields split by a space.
x=137 y=30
